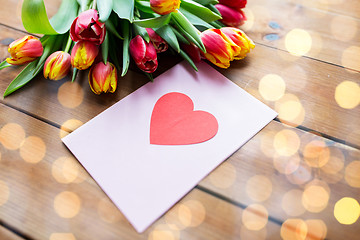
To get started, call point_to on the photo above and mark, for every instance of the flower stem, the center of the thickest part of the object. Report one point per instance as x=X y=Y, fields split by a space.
x=68 y=44
x=94 y=4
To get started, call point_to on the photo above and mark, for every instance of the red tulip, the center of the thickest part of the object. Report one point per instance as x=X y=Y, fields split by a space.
x=158 y=42
x=87 y=27
x=24 y=50
x=103 y=78
x=57 y=65
x=83 y=54
x=144 y=54
x=231 y=17
x=193 y=51
x=234 y=3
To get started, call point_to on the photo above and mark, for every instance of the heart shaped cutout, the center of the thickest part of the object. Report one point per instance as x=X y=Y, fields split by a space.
x=174 y=122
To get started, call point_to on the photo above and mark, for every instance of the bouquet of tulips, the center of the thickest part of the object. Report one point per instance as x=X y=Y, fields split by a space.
x=104 y=35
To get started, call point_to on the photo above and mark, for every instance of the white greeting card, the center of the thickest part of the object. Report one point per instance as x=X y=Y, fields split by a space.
x=152 y=147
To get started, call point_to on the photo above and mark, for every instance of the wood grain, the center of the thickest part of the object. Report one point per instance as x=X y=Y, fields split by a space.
x=5 y=234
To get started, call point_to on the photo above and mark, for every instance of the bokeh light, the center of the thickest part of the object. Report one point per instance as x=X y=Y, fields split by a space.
x=317 y=229
x=286 y=142
x=285 y=164
x=352 y=174
x=343 y=28
x=108 y=212
x=33 y=149
x=62 y=236
x=315 y=198
x=250 y=18
x=163 y=232
x=70 y=94
x=347 y=94
x=224 y=176
x=4 y=192
x=316 y=153
x=65 y=169
x=247 y=234
x=298 y=42
x=69 y=126
x=293 y=229
x=67 y=204
x=267 y=142
x=301 y=175
x=12 y=136
x=351 y=58
x=291 y=203
x=290 y=110
x=335 y=163
x=347 y=210
x=191 y=213
x=259 y=188
x=272 y=87
x=255 y=217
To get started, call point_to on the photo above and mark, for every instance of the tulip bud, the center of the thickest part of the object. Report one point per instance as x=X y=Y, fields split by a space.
x=234 y=3
x=24 y=50
x=219 y=50
x=144 y=54
x=164 y=7
x=88 y=28
x=159 y=43
x=83 y=54
x=193 y=51
x=231 y=17
x=240 y=39
x=103 y=78
x=57 y=65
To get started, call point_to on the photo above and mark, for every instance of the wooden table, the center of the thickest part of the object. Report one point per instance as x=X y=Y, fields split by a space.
x=289 y=181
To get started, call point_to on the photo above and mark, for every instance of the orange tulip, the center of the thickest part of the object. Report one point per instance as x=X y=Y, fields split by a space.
x=103 y=78
x=164 y=7
x=57 y=65
x=240 y=39
x=83 y=54
x=24 y=50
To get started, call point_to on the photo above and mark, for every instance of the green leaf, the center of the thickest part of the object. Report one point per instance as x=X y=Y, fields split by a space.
x=169 y=36
x=32 y=69
x=195 y=19
x=84 y=4
x=179 y=36
x=206 y=2
x=105 y=7
x=142 y=32
x=114 y=52
x=150 y=76
x=4 y=64
x=124 y=9
x=127 y=37
x=35 y=19
x=188 y=59
x=188 y=29
x=199 y=10
x=111 y=28
x=105 y=48
x=144 y=6
x=75 y=72
x=156 y=22
x=214 y=9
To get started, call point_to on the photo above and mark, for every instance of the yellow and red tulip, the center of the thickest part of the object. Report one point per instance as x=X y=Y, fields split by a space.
x=24 y=50
x=83 y=54
x=158 y=42
x=164 y=7
x=231 y=17
x=57 y=65
x=240 y=39
x=144 y=54
x=86 y=27
x=219 y=50
x=103 y=78
x=234 y=3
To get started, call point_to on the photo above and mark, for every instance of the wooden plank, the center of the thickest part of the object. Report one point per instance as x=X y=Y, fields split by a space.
x=48 y=195
x=308 y=88
x=5 y=234
x=293 y=174
x=323 y=35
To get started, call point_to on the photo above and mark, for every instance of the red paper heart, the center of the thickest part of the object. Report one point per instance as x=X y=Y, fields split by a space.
x=174 y=122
